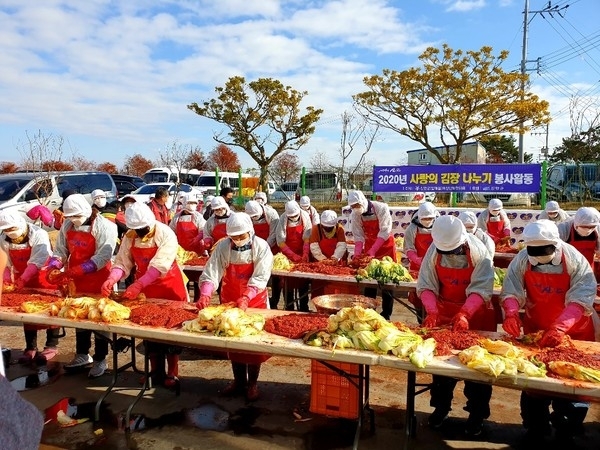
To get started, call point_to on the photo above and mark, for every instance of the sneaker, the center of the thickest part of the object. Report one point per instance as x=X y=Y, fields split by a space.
x=42 y=358
x=80 y=360
x=27 y=357
x=98 y=369
x=437 y=417
x=474 y=426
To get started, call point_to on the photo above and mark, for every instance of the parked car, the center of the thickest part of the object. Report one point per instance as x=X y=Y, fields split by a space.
x=146 y=192
x=573 y=182
x=285 y=192
x=22 y=191
x=126 y=184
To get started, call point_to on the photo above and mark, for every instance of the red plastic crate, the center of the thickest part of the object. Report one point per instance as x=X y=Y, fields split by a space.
x=332 y=394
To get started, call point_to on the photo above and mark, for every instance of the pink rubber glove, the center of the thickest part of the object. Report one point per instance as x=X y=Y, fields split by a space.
x=569 y=317
x=41 y=212
x=115 y=275
x=242 y=302
x=81 y=269
x=551 y=338
x=471 y=305
x=414 y=258
x=203 y=301
x=250 y=292
x=506 y=232
x=512 y=323
x=151 y=275
x=289 y=253
x=305 y=252
x=358 y=248
x=207 y=289
x=460 y=322
x=7 y=276
x=429 y=300
x=375 y=247
x=30 y=272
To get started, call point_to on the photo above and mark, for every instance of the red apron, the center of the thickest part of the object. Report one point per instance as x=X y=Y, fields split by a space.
x=495 y=229
x=326 y=244
x=546 y=301
x=220 y=230
x=422 y=243
x=587 y=247
x=233 y=285
x=82 y=246
x=169 y=287
x=293 y=239
x=453 y=293
x=262 y=230
x=371 y=230
x=186 y=232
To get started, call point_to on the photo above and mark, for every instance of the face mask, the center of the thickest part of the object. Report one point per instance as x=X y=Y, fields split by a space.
x=259 y=200
x=305 y=208
x=100 y=202
x=584 y=231
x=191 y=207
x=427 y=223
x=544 y=259
x=141 y=232
x=229 y=201
x=78 y=221
x=241 y=243
x=220 y=212
x=14 y=234
x=494 y=213
x=360 y=210
x=552 y=215
x=127 y=205
x=470 y=230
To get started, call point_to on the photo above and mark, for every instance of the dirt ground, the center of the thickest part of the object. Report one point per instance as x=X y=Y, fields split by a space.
x=199 y=418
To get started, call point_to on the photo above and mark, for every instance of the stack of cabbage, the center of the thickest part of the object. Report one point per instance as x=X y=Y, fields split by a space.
x=384 y=271
x=98 y=310
x=500 y=358
x=225 y=320
x=280 y=262
x=364 y=329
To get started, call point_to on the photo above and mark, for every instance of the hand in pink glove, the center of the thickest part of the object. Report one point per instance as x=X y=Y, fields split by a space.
x=430 y=321
x=358 y=248
x=552 y=338
x=115 y=275
x=7 y=276
x=41 y=212
x=133 y=290
x=203 y=302
x=151 y=275
x=242 y=302
x=460 y=322
x=375 y=247
x=414 y=258
x=20 y=284
x=512 y=323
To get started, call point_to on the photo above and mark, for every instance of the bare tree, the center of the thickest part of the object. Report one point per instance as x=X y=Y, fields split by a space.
x=357 y=135
x=41 y=148
x=319 y=162
x=176 y=157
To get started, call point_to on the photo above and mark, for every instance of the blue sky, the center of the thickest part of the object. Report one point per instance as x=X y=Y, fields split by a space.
x=113 y=78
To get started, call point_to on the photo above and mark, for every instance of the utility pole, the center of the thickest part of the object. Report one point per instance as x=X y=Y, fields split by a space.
x=550 y=10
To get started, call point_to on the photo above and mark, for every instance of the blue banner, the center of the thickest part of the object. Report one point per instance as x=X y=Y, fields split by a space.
x=524 y=178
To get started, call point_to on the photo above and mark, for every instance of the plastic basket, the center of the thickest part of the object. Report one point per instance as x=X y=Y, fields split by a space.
x=332 y=394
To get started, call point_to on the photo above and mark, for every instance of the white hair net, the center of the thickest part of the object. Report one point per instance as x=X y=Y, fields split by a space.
x=9 y=219
x=542 y=232
x=552 y=206
x=355 y=197
x=305 y=200
x=238 y=223
x=292 y=208
x=586 y=216
x=209 y=199
x=468 y=218
x=253 y=208
x=260 y=196
x=495 y=204
x=96 y=193
x=448 y=233
x=139 y=215
x=218 y=202
x=76 y=205
x=128 y=198
x=190 y=198
x=329 y=218
x=427 y=210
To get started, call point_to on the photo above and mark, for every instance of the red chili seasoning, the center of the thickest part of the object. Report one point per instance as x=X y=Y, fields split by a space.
x=198 y=261
x=153 y=315
x=16 y=298
x=324 y=268
x=294 y=326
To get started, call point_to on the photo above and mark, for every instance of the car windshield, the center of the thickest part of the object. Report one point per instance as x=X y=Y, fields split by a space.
x=8 y=188
x=206 y=181
x=150 y=188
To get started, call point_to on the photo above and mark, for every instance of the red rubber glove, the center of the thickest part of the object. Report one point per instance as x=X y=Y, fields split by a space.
x=305 y=252
x=430 y=321
x=460 y=322
x=512 y=323
x=429 y=301
x=375 y=247
x=203 y=302
x=242 y=302
x=358 y=248
x=551 y=338
x=115 y=275
x=569 y=317
x=7 y=276
x=151 y=275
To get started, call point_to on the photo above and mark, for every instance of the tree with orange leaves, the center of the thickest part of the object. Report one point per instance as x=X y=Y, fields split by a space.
x=223 y=158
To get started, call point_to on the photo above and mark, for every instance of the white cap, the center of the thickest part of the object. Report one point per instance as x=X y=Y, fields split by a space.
x=329 y=218
x=238 y=223
x=495 y=204
x=552 y=206
x=448 y=233
x=305 y=200
x=355 y=197
x=218 y=202
x=209 y=199
x=427 y=210
x=139 y=215
x=253 y=208
x=586 y=216
x=292 y=208
x=190 y=198
x=9 y=219
x=76 y=205
x=128 y=198
x=260 y=196
x=97 y=193
x=468 y=218
x=541 y=232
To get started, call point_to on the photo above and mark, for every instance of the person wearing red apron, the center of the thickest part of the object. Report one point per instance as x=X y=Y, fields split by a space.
x=214 y=229
x=84 y=247
x=242 y=266
x=455 y=285
x=151 y=247
x=582 y=233
x=371 y=226
x=28 y=249
x=495 y=222
x=292 y=235
x=554 y=284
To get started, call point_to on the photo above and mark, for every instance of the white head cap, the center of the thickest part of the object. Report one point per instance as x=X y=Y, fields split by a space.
x=261 y=196
x=427 y=210
x=9 y=219
x=97 y=193
x=495 y=204
x=128 y=198
x=304 y=200
x=238 y=223
x=586 y=216
x=190 y=198
x=292 y=208
x=552 y=206
x=448 y=233
x=329 y=218
x=253 y=209
x=468 y=218
x=355 y=197
x=76 y=205
x=218 y=202
x=209 y=199
x=139 y=215
x=541 y=232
